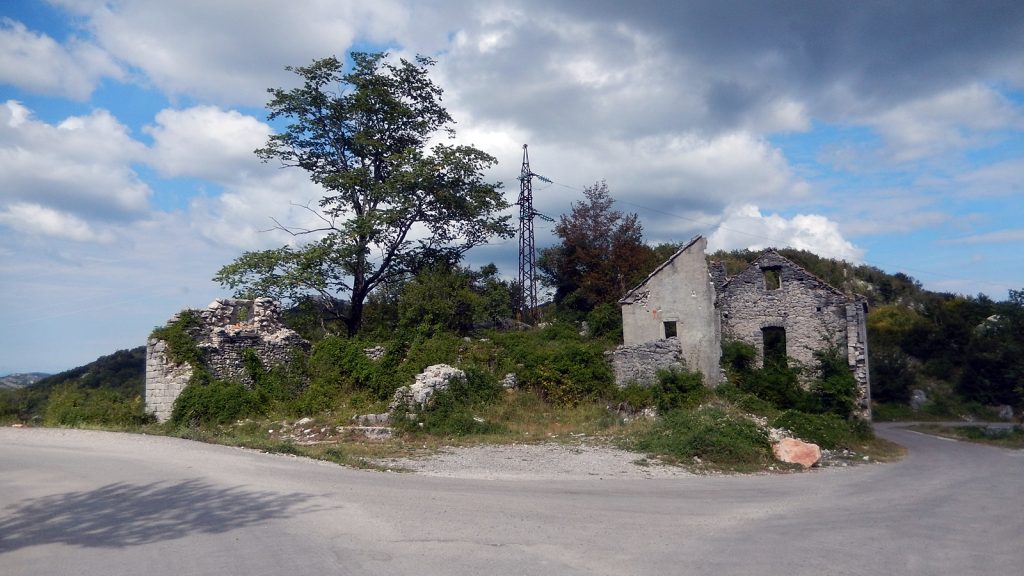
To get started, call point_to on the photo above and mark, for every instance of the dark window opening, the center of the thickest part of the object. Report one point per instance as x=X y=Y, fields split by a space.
x=818 y=309
x=774 y=345
x=671 y=330
x=772 y=278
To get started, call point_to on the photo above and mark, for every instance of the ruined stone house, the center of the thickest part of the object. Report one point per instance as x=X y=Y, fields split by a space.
x=227 y=328
x=774 y=305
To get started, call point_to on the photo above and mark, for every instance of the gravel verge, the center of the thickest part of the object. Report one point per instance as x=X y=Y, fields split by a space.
x=548 y=461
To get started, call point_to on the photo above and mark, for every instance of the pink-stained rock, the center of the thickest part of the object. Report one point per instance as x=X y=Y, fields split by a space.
x=793 y=451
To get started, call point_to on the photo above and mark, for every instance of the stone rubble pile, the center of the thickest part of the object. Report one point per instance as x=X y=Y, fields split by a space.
x=640 y=363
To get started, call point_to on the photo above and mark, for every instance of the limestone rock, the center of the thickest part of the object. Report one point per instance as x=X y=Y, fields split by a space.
x=510 y=381
x=432 y=380
x=918 y=399
x=1005 y=412
x=794 y=451
x=375 y=352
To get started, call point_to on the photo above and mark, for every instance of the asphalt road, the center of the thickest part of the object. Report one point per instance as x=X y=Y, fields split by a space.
x=84 y=503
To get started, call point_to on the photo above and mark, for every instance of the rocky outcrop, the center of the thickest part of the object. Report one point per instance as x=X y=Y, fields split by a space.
x=227 y=329
x=432 y=380
x=794 y=451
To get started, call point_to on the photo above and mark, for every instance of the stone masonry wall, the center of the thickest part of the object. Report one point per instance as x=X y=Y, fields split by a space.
x=857 y=354
x=228 y=328
x=164 y=379
x=810 y=311
x=639 y=363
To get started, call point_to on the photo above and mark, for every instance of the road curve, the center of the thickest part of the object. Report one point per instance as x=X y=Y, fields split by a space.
x=95 y=503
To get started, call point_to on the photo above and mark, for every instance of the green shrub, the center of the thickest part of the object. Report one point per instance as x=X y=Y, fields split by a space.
x=605 y=321
x=738 y=357
x=451 y=412
x=574 y=373
x=180 y=339
x=277 y=389
x=746 y=401
x=208 y=401
x=637 y=396
x=777 y=384
x=557 y=362
x=70 y=405
x=714 y=436
x=835 y=389
x=826 y=430
x=678 y=388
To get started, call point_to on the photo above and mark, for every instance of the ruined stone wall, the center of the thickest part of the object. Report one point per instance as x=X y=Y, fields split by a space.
x=681 y=293
x=810 y=311
x=639 y=363
x=857 y=354
x=228 y=327
x=164 y=379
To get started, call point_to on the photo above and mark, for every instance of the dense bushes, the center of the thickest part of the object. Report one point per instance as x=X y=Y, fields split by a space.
x=71 y=405
x=710 y=434
x=557 y=362
x=210 y=401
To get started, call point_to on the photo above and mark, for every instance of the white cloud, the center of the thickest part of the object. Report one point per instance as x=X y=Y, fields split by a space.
x=1005 y=178
x=38 y=63
x=230 y=51
x=35 y=219
x=206 y=142
x=953 y=120
x=745 y=227
x=998 y=236
x=80 y=166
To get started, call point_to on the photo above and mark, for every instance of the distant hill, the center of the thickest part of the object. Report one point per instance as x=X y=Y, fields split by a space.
x=123 y=371
x=12 y=381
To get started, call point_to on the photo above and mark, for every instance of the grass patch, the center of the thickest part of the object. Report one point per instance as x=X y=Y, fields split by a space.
x=1005 y=437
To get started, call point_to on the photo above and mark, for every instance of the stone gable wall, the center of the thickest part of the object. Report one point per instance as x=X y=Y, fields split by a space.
x=228 y=327
x=810 y=311
x=680 y=292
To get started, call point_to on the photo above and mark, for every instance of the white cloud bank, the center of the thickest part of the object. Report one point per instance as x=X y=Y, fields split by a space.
x=745 y=227
x=38 y=63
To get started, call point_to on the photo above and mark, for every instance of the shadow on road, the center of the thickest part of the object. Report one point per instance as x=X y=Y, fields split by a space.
x=119 y=515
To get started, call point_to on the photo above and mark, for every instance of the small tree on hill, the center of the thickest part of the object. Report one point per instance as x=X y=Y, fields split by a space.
x=391 y=205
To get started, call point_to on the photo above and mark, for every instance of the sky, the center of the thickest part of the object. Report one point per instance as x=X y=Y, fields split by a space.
x=884 y=133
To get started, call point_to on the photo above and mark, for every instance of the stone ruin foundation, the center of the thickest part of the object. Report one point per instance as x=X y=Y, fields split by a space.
x=228 y=327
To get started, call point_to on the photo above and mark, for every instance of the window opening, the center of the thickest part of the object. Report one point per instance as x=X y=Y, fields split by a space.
x=772 y=278
x=671 y=329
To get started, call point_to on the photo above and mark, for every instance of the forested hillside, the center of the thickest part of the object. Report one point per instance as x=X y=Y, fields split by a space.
x=116 y=377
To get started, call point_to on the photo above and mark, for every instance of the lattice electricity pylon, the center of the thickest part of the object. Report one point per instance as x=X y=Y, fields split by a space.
x=527 y=252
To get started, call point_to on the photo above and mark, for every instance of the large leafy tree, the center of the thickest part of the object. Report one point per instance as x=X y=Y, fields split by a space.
x=392 y=203
x=601 y=256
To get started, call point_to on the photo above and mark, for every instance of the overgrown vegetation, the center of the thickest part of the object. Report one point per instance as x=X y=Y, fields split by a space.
x=360 y=282
x=711 y=437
